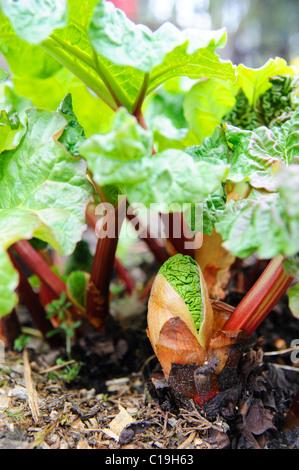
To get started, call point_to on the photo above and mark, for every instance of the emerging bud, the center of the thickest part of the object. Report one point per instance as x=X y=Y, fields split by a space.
x=185 y=330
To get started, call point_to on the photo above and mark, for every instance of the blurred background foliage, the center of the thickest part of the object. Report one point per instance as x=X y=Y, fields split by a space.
x=256 y=29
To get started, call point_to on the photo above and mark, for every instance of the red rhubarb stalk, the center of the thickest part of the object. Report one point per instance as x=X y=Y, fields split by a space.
x=261 y=298
x=122 y=272
x=34 y=306
x=38 y=266
x=98 y=294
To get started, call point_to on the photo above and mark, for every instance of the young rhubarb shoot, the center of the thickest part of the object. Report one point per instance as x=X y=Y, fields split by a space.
x=185 y=330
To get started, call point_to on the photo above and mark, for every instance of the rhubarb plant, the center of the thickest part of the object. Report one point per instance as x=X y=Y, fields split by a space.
x=100 y=109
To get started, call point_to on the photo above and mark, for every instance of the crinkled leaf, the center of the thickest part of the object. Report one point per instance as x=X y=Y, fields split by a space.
x=182 y=273
x=271 y=108
x=293 y=295
x=123 y=158
x=164 y=54
x=254 y=82
x=213 y=149
x=126 y=141
x=264 y=223
x=258 y=154
x=205 y=105
x=287 y=136
x=117 y=157
x=212 y=205
x=34 y=20
x=174 y=178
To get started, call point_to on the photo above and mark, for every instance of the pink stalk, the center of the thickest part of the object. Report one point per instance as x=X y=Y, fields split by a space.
x=261 y=298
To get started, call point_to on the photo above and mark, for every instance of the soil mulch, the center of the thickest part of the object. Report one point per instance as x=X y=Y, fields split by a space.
x=114 y=405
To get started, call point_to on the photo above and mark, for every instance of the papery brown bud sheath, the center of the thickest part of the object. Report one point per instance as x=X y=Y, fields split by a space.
x=179 y=292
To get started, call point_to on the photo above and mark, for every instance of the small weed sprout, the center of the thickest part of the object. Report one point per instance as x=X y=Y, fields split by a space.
x=67 y=326
x=21 y=342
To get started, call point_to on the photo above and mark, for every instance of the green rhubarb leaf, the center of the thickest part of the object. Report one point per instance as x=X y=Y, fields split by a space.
x=77 y=46
x=258 y=154
x=173 y=177
x=202 y=63
x=212 y=205
x=44 y=192
x=163 y=113
x=206 y=104
x=68 y=46
x=117 y=157
x=122 y=42
x=127 y=140
x=40 y=177
x=72 y=47
x=47 y=93
x=254 y=82
x=213 y=149
x=183 y=275
x=34 y=20
x=152 y=57
x=24 y=59
x=124 y=158
x=287 y=136
x=15 y=224
x=264 y=223
x=255 y=156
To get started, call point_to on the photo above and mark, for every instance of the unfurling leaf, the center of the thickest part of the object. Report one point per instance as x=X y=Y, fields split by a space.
x=179 y=291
